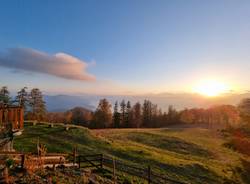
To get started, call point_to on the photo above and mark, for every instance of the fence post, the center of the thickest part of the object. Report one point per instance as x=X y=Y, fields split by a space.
x=60 y=160
x=38 y=147
x=22 y=160
x=79 y=161
x=102 y=161
x=149 y=174
x=114 y=177
x=6 y=175
x=74 y=155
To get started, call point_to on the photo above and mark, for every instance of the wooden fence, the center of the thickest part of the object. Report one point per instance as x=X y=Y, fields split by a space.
x=50 y=124
x=97 y=161
x=85 y=161
x=146 y=173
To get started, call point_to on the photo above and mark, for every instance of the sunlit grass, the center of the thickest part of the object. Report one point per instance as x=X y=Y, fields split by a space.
x=190 y=155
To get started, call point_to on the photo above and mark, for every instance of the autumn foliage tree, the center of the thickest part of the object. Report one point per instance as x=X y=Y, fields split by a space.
x=79 y=115
x=244 y=109
x=103 y=115
x=213 y=117
x=127 y=115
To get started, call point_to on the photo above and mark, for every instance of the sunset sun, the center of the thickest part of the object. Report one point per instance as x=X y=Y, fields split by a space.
x=211 y=88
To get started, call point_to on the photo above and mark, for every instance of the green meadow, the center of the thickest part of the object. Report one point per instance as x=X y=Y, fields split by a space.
x=191 y=155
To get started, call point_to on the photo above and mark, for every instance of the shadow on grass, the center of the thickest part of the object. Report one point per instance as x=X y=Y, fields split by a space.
x=169 y=143
x=56 y=139
x=188 y=173
x=246 y=170
x=59 y=140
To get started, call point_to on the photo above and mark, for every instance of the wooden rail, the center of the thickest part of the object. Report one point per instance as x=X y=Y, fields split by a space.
x=97 y=161
x=90 y=161
x=146 y=173
x=68 y=125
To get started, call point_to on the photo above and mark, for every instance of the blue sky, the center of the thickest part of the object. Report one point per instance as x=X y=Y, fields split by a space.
x=130 y=47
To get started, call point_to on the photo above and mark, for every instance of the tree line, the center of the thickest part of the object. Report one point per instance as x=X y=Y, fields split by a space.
x=121 y=115
x=149 y=115
x=124 y=114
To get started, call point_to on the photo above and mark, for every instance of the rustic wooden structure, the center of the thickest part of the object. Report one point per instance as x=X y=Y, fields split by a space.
x=11 y=123
x=98 y=161
x=11 y=116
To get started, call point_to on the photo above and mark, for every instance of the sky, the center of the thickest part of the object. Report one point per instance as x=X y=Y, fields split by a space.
x=124 y=47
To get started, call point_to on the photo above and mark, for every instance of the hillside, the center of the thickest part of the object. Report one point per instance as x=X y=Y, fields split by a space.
x=177 y=153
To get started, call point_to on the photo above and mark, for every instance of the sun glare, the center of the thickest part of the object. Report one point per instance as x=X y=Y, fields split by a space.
x=211 y=88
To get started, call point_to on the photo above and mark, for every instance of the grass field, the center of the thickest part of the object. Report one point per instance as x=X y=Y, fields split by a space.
x=191 y=155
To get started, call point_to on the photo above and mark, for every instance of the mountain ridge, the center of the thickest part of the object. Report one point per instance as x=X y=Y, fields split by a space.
x=63 y=102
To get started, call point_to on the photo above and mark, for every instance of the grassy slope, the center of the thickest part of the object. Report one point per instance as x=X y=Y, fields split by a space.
x=190 y=155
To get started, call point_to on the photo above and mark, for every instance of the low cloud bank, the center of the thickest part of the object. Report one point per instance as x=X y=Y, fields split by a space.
x=60 y=64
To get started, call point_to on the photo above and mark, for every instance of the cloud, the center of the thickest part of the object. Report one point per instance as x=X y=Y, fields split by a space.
x=60 y=64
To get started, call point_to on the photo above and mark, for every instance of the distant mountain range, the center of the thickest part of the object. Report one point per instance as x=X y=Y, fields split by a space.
x=59 y=103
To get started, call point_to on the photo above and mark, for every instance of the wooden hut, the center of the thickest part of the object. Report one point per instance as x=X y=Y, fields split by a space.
x=11 y=122
x=11 y=115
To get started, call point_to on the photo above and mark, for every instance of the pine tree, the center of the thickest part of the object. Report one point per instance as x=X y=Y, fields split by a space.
x=137 y=119
x=22 y=98
x=128 y=115
x=159 y=118
x=123 y=111
x=37 y=104
x=5 y=95
x=154 y=122
x=147 y=113
x=116 y=116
